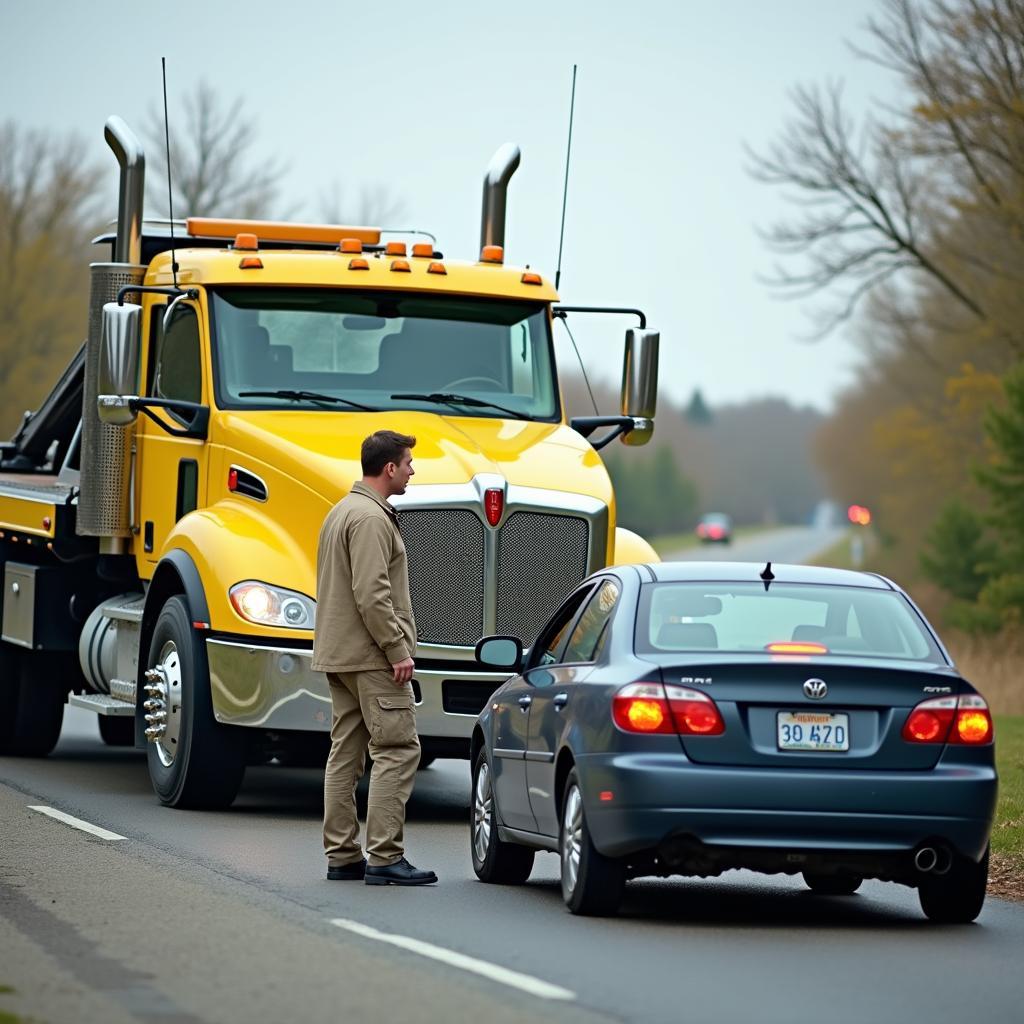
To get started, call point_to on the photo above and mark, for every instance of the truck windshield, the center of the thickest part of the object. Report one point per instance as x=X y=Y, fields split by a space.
x=365 y=348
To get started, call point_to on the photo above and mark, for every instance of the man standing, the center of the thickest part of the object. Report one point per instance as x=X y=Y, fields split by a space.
x=364 y=639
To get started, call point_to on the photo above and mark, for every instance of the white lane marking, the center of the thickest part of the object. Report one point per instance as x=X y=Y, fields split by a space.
x=502 y=975
x=94 y=830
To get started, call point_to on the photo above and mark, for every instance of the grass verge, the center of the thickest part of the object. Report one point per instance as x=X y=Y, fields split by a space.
x=1006 y=874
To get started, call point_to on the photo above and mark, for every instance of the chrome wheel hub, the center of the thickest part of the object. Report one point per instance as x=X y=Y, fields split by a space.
x=163 y=704
x=572 y=839
x=483 y=810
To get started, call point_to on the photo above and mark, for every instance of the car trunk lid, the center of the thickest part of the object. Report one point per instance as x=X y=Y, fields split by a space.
x=797 y=713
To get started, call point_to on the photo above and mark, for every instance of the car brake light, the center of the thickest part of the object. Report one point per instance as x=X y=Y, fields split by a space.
x=963 y=720
x=651 y=708
x=796 y=647
x=694 y=713
x=642 y=707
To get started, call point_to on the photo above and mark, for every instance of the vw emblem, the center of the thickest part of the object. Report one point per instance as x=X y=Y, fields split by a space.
x=816 y=689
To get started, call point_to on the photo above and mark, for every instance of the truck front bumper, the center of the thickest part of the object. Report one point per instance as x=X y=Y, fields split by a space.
x=275 y=688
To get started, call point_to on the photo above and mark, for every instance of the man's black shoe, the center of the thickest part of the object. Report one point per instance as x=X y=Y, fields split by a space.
x=399 y=873
x=347 y=872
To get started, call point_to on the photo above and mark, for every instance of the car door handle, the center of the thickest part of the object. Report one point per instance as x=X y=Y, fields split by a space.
x=525 y=701
x=560 y=700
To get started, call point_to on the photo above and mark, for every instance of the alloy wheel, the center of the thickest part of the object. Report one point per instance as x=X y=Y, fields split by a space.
x=572 y=839
x=483 y=810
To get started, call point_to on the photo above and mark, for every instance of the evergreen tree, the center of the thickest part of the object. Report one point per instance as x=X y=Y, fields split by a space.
x=697 y=412
x=957 y=555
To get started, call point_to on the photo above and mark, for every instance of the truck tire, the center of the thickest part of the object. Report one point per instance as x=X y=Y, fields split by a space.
x=196 y=763
x=32 y=695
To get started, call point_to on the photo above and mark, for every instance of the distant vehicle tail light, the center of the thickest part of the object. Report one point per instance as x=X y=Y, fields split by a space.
x=964 y=720
x=642 y=707
x=653 y=708
x=694 y=713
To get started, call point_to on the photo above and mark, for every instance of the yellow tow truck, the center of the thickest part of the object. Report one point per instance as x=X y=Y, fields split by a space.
x=159 y=512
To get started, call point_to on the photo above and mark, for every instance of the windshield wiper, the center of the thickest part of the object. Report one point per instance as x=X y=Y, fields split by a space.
x=306 y=396
x=448 y=398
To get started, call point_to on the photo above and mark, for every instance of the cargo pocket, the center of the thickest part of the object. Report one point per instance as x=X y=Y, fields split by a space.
x=393 y=721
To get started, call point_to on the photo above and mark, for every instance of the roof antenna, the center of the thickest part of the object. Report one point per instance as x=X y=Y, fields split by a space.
x=170 y=202
x=767 y=575
x=565 y=190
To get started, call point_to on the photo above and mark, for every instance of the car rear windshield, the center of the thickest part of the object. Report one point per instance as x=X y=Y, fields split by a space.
x=787 y=617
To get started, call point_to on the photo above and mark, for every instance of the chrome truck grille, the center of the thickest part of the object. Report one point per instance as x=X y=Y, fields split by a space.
x=445 y=547
x=464 y=586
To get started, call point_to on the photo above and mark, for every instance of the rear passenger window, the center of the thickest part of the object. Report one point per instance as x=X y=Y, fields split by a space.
x=587 y=637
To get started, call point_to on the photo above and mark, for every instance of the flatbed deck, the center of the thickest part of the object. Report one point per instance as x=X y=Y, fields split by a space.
x=33 y=503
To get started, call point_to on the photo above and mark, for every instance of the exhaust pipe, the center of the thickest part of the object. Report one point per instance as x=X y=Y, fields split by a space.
x=935 y=860
x=499 y=172
x=128 y=150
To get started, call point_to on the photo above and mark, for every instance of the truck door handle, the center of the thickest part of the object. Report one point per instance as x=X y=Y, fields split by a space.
x=560 y=700
x=525 y=701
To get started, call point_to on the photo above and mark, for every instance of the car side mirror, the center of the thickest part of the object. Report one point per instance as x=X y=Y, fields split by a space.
x=117 y=380
x=640 y=384
x=504 y=652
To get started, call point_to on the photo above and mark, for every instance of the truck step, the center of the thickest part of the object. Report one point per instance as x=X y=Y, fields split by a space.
x=101 y=704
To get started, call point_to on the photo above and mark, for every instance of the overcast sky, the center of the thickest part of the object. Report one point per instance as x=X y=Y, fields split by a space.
x=418 y=95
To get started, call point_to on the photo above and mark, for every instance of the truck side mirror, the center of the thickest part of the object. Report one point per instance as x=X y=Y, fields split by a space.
x=119 y=363
x=640 y=384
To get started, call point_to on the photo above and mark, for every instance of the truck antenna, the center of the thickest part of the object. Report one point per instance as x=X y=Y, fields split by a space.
x=170 y=201
x=565 y=189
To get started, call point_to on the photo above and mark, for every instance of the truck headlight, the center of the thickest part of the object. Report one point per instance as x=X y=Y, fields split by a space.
x=272 y=606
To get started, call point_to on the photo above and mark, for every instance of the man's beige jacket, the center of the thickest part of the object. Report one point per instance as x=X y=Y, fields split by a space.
x=363 y=609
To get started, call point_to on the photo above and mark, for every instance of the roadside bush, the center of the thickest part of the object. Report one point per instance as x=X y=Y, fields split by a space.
x=957 y=555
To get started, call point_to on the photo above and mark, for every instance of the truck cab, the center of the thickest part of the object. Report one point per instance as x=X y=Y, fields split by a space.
x=231 y=373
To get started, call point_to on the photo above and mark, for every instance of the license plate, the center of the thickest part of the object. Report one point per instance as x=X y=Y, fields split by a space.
x=813 y=730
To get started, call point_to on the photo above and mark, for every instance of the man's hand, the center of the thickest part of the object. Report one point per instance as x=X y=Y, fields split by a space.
x=403 y=671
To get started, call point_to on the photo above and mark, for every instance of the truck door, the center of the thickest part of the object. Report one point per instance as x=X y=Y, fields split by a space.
x=171 y=471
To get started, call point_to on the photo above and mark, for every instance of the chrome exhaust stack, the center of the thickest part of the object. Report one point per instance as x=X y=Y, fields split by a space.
x=499 y=172
x=132 y=160
x=103 y=506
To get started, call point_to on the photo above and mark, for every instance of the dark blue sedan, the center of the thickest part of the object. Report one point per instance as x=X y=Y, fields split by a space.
x=689 y=718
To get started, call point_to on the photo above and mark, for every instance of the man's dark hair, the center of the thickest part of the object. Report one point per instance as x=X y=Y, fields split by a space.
x=383 y=447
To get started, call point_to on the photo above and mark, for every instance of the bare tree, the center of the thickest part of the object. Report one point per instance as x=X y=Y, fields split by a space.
x=214 y=169
x=376 y=205
x=876 y=202
x=49 y=194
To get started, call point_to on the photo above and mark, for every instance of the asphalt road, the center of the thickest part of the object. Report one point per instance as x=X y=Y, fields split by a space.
x=789 y=544
x=226 y=917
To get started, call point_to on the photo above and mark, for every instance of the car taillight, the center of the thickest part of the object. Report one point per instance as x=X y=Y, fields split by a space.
x=964 y=720
x=651 y=708
x=694 y=713
x=642 y=707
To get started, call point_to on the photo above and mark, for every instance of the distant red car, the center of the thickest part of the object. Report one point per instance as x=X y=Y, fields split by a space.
x=715 y=528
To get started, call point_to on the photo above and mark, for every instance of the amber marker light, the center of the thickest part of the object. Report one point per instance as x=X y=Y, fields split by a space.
x=436 y=268
x=358 y=264
x=250 y=263
x=401 y=265
x=350 y=245
x=395 y=249
x=531 y=279
x=246 y=240
x=423 y=249
x=492 y=254
x=796 y=647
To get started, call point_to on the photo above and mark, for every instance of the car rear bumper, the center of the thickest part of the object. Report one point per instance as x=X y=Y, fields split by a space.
x=657 y=797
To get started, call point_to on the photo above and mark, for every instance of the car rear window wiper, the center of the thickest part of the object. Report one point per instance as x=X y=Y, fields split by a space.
x=449 y=398
x=306 y=396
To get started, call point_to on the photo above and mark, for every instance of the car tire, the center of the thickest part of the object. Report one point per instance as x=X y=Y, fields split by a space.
x=592 y=884
x=493 y=860
x=33 y=691
x=198 y=763
x=832 y=885
x=426 y=760
x=957 y=896
x=117 y=730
